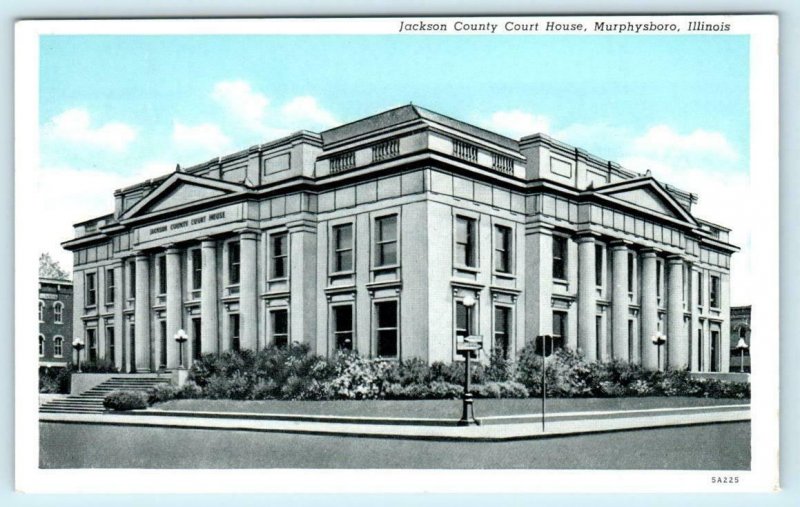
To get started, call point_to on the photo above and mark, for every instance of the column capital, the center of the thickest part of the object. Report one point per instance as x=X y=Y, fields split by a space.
x=171 y=249
x=247 y=234
x=649 y=252
x=539 y=228
x=207 y=242
x=585 y=236
x=675 y=259
x=141 y=255
x=619 y=244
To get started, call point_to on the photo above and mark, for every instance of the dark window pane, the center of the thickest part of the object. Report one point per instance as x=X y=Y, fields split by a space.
x=197 y=269
x=387 y=314
x=387 y=343
x=162 y=275
x=387 y=229
x=598 y=265
x=388 y=254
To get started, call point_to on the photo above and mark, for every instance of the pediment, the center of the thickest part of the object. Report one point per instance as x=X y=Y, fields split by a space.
x=646 y=193
x=180 y=190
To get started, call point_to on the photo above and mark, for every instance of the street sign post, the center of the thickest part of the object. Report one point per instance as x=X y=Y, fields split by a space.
x=466 y=346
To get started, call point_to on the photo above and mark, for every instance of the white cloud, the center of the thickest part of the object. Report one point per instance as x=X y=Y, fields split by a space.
x=205 y=137
x=243 y=103
x=75 y=126
x=663 y=140
x=306 y=109
x=80 y=195
x=517 y=123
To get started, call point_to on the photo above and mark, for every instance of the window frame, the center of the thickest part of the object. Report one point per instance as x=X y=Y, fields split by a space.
x=41 y=310
x=700 y=291
x=132 y=279
x=509 y=351
x=271 y=257
x=41 y=345
x=507 y=252
x=195 y=269
x=376 y=329
x=272 y=334
x=659 y=279
x=111 y=286
x=335 y=249
x=563 y=259
x=235 y=339
x=58 y=346
x=471 y=257
x=111 y=341
x=714 y=291
x=161 y=275
x=333 y=326
x=564 y=336
x=599 y=265
x=92 y=352
x=378 y=243
x=229 y=263
x=90 y=289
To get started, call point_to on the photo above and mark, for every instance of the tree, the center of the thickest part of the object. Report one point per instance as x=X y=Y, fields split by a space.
x=50 y=268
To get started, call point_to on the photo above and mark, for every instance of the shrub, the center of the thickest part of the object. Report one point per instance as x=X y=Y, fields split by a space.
x=237 y=386
x=99 y=366
x=125 y=400
x=162 y=392
x=189 y=391
x=500 y=368
x=453 y=373
x=357 y=378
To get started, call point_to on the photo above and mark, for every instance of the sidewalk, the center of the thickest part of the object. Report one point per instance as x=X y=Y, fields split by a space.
x=492 y=428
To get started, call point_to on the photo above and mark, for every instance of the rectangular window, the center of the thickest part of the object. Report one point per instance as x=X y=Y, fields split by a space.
x=685 y=293
x=715 y=350
x=631 y=273
x=132 y=286
x=111 y=290
x=91 y=344
x=386 y=241
x=41 y=346
x=58 y=313
x=233 y=263
x=463 y=319
x=111 y=343
x=197 y=336
x=197 y=269
x=598 y=330
x=465 y=242
x=343 y=248
x=386 y=329
x=700 y=289
x=343 y=327
x=659 y=278
x=162 y=359
x=91 y=289
x=502 y=249
x=630 y=340
x=598 y=265
x=559 y=257
x=58 y=346
x=713 y=296
x=233 y=330
x=559 y=330
x=280 y=327
x=279 y=255
x=502 y=330
x=700 y=363
x=162 y=275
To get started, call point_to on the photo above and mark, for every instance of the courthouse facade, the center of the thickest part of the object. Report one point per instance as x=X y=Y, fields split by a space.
x=370 y=237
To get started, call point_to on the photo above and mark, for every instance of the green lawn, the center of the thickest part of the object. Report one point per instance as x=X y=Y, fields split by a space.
x=438 y=408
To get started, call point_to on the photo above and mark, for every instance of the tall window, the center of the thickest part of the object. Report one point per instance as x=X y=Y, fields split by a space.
x=630 y=340
x=343 y=248
x=233 y=329
x=91 y=289
x=280 y=327
x=631 y=273
x=386 y=328
x=41 y=311
x=197 y=269
x=659 y=278
x=502 y=249
x=343 y=327
x=41 y=345
x=559 y=257
x=111 y=343
x=465 y=242
x=715 y=350
x=559 y=329
x=111 y=290
x=598 y=333
x=686 y=294
x=278 y=255
x=386 y=241
x=197 y=336
x=58 y=312
x=58 y=346
x=233 y=262
x=713 y=296
x=162 y=274
x=700 y=363
x=598 y=265
x=91 y=344
x=502 y=330
x=463 y=319
x=163 y=340
x=700 y=289
x=132 y=286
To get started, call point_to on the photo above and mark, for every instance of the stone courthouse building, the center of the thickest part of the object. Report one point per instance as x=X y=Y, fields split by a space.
x=370 y=236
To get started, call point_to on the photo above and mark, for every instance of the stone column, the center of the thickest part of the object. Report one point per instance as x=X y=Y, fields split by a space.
x=119 y=320
x=248 y=304
x=677 y=341
x=649 y=316
x=142 y=314
x=619 y=302
x=209 y=326
x=587 y=297
x=694 y=323
x=538 y=280
x=174 y=305
x=303 y=281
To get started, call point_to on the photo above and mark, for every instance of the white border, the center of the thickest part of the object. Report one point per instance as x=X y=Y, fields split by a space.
x=763 y=31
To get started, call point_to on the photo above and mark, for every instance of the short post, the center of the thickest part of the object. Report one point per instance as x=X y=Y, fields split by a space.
x=181 y=338
x=659 y=340
x=78 y=345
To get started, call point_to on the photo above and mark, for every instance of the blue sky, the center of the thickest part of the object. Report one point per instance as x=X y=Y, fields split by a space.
x=114 y=109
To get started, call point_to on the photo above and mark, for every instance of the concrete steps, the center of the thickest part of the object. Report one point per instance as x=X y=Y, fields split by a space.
x=91 y=401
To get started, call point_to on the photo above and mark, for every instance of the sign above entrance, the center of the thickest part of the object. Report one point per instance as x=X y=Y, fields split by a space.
x=190 y=223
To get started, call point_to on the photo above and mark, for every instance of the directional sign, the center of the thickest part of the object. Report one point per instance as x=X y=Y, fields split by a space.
x=469 y=343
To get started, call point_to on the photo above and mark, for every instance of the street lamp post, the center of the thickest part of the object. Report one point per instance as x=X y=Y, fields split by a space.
x=544 y=339
x=659 y=340
x=78 y=345
x=466 y=347
x=181 y=338
x=741 y=347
